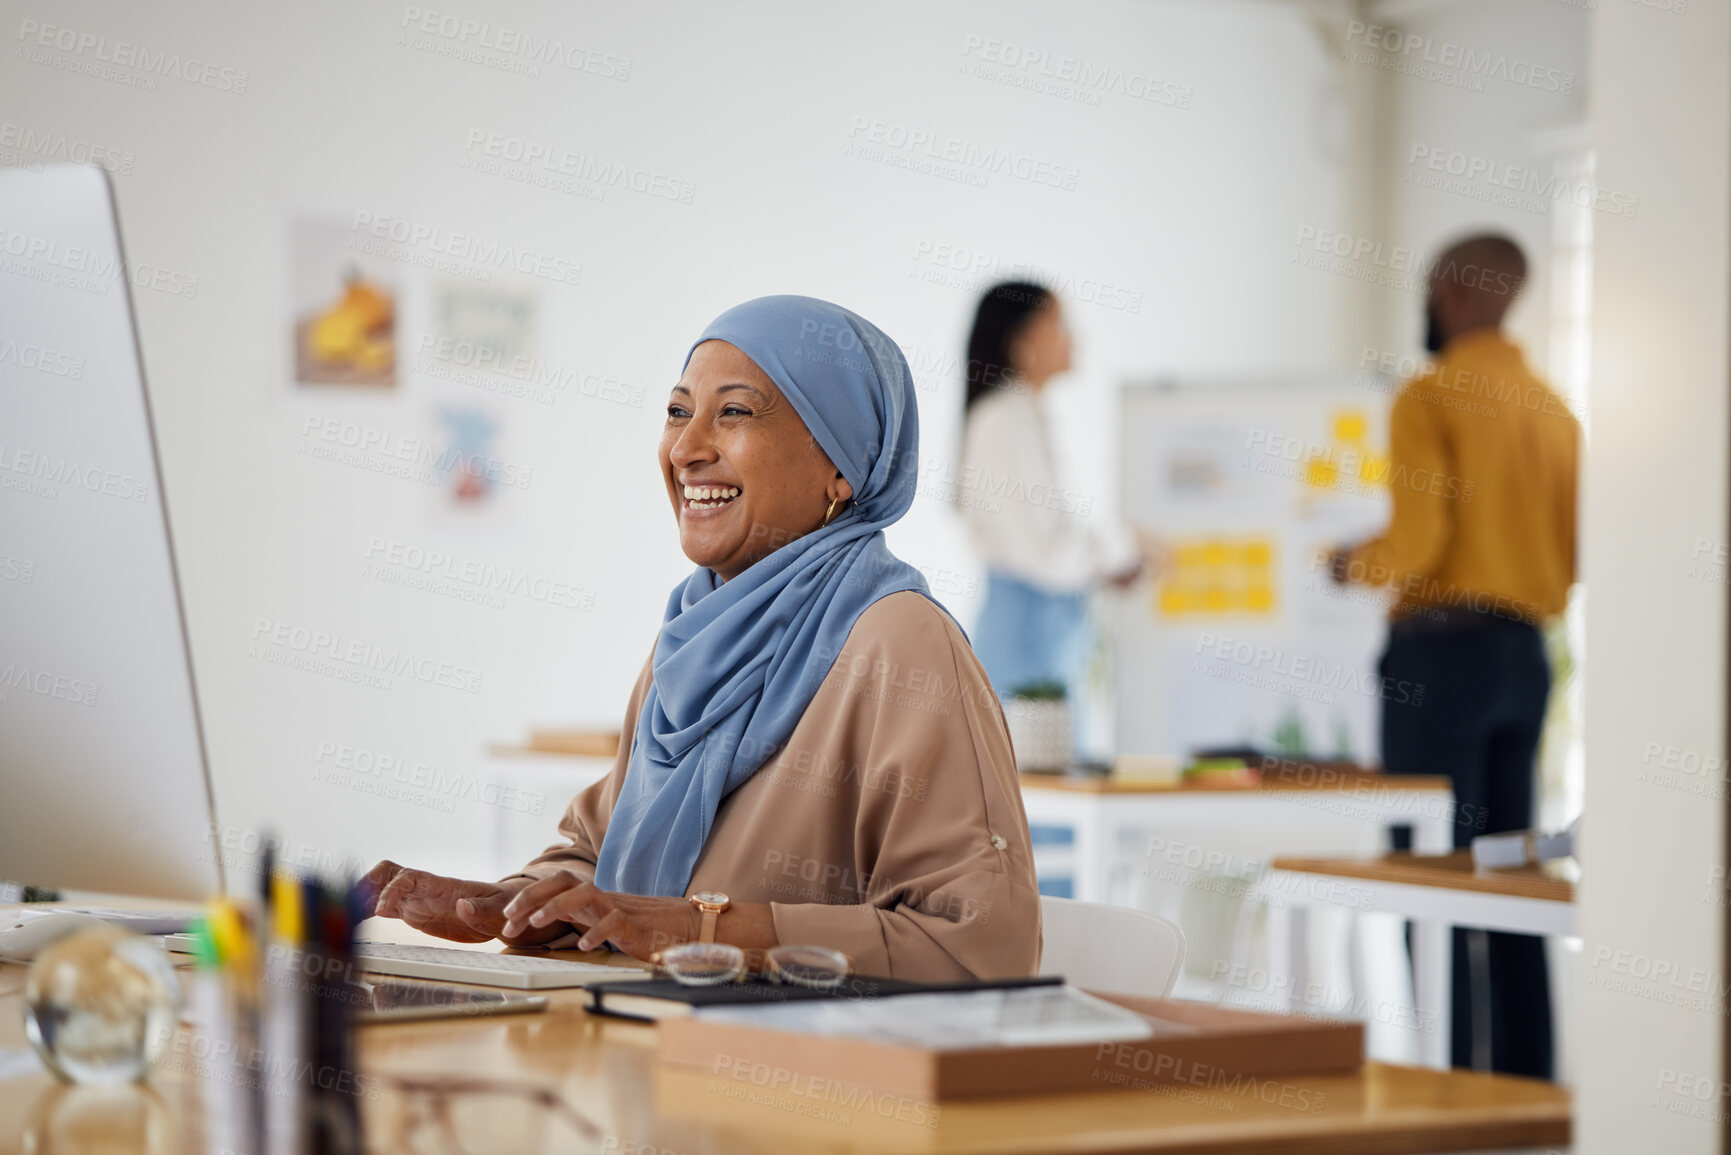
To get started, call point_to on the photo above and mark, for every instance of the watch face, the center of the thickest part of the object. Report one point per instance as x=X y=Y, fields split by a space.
x=709 y=898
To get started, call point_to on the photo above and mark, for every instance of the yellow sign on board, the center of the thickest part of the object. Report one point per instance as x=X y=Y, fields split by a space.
x=1212 y=576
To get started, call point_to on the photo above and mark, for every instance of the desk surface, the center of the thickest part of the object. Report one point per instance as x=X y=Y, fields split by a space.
x=607 y=1070
x=1451 y=871
x=1333 y=780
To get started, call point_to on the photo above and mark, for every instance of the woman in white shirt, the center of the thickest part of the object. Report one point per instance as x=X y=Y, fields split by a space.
x=1045 y=546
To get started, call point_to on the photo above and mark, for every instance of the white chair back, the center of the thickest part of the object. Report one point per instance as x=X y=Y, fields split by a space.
x=1110 y=948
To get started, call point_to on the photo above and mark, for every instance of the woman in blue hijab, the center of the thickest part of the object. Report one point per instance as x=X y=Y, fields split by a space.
x=814 y=755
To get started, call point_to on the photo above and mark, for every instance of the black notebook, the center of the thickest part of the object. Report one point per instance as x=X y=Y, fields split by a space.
x=655 y=999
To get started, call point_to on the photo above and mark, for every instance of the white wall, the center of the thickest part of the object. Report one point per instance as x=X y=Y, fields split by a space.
x=1656 y=624
x=1490 y=131
x=1189 y=212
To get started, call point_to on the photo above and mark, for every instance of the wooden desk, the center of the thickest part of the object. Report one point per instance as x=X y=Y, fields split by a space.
x=1437 y=892
x=606 y=1069
x=1453 y=871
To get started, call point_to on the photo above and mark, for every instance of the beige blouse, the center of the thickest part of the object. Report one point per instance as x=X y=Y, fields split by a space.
x=889 y=827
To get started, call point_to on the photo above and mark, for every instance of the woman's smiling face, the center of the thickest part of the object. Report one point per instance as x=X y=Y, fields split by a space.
x=743 y=472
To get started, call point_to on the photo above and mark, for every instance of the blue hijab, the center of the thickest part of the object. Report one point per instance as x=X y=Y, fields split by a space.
x=737 y=662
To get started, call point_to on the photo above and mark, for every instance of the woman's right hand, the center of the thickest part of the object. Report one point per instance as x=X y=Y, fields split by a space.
x=451 y=908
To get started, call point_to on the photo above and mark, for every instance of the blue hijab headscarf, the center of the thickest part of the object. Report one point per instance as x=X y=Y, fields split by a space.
x=737 y=662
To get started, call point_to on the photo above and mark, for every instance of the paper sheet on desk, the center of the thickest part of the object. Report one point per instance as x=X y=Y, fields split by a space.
x=948 y=1021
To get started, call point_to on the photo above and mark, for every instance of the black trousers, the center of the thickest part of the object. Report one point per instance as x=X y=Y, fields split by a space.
x=1479 y=719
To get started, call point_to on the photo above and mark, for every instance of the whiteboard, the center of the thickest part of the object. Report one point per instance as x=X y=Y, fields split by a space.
x=1245 y=640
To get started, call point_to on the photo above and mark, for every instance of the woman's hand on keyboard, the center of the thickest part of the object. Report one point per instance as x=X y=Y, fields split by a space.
x=639 y=925
x=451 y=908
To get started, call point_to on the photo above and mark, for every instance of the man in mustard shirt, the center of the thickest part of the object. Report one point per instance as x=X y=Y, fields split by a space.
x=1479 y=551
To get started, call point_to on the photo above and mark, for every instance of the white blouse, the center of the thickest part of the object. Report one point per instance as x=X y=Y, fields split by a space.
x=1021 y=519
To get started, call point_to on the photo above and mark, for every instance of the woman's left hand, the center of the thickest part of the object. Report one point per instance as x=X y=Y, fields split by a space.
x=637 y=924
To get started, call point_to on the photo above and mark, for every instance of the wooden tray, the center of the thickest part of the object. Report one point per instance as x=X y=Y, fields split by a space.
x=1227 y=1045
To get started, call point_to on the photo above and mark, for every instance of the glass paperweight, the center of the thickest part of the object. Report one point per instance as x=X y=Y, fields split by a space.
x=100 y=1006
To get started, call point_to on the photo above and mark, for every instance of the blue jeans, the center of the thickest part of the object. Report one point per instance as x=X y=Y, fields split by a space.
x=1025 y=635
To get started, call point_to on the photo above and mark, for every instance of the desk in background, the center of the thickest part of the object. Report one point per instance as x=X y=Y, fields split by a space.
x=1102 y=811
x=606 y=1069
x=550 y=770
x=1437 y=892
x=1140 y=843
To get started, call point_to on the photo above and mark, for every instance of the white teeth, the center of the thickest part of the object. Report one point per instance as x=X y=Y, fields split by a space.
x=698 y=495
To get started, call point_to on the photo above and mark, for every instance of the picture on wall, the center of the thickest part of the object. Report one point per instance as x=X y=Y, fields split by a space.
x=344 y=304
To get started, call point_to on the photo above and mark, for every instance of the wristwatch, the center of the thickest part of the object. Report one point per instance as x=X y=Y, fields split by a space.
x=711 y=904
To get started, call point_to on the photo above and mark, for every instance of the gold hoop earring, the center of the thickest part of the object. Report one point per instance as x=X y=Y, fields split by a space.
x=830 y=512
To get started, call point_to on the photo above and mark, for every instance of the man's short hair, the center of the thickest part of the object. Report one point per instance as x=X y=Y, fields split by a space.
x=1488 y=263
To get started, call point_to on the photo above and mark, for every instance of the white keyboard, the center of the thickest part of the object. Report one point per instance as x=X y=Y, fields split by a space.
x=483 y=968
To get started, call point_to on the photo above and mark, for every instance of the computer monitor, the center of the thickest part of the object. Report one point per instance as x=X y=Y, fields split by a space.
x=104 y=782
